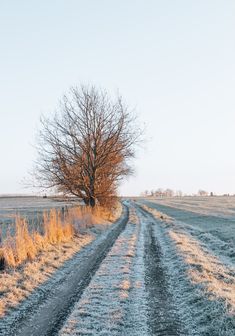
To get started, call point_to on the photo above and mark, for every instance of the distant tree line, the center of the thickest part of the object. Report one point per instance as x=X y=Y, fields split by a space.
x=162 y=193
x=203 y=193
x=173 y=193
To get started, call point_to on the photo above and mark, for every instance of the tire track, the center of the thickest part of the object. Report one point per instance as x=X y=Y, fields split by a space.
x=129 y=293
x=120 y=287
x=163 y=319
x=54 y=307
x=198 y=312
x=104 y=306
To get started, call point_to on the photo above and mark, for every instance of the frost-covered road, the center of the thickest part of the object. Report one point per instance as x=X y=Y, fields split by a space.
x=156 y=280
x=129 y=294
x=108 y=306
x=150 y=274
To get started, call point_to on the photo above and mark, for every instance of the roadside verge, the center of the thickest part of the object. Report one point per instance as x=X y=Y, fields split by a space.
x=43 y=312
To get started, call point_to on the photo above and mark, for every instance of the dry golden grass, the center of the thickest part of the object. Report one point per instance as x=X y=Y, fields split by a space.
x=217 y=279
x=205 y=269
x=17 y=283
x=25 y=245
x=157 y=214
x=32 y=257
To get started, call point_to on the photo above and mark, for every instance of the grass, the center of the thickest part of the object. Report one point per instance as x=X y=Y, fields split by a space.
x=216 y=279
x=16 y=284
x=157 y=214
x=207 y=270
x=58 y=228
x=31 y=257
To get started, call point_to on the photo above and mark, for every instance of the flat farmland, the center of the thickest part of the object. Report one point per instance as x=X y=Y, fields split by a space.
x=31 y=208
x=165 y=267
x=211 y=216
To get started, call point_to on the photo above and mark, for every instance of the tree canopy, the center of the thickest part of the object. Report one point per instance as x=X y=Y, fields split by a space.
x=86 y=147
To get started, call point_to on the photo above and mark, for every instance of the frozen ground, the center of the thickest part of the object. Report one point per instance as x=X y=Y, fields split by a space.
x=10 y=206
x=129 y=294
x=201 y=260
x=44 y=310
x=219 y=206
x=170 y=283
x=211 y=220
x=27 y=207
x=159 y=273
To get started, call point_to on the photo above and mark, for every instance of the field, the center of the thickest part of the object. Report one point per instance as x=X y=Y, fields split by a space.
x=202 y=231
x=27 y=207
x=211 y=219
x=166 y=267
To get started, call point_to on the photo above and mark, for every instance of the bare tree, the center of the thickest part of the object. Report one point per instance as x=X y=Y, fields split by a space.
x=159 y=192
x=85 y=149
x=145 y=193
x=202 y=192
x=179 y=193
x=169 y=193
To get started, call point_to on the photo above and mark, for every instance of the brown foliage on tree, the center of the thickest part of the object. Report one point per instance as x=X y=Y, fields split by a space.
x=85 y=149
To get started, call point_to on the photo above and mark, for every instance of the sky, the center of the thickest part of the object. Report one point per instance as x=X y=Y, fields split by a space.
x=172 y=61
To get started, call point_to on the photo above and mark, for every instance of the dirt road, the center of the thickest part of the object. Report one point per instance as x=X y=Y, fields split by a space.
x=129 y=293
x=131 y=281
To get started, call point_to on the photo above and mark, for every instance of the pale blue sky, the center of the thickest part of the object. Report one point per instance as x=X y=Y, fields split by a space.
x=172 y=60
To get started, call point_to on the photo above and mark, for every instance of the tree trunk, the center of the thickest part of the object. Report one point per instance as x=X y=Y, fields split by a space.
x=86 y=200
x=92 y=202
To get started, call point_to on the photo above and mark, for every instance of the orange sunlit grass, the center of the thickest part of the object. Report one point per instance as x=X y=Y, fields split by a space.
x=25 y=244
x=32 y=257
